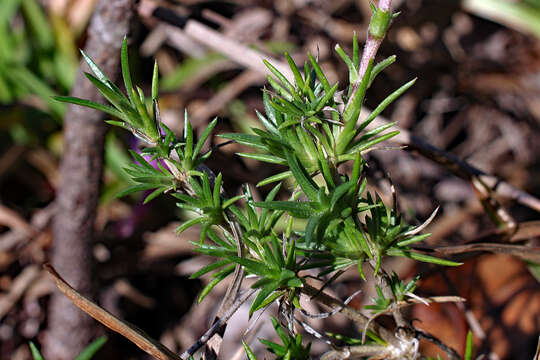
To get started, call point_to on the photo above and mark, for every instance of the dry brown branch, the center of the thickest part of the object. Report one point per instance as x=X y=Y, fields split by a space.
x=69 y=330
x=521 y=251
x=129 y=331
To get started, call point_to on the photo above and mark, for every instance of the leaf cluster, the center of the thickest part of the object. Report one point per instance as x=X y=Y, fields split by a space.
x=311 y=129
x=130 y=111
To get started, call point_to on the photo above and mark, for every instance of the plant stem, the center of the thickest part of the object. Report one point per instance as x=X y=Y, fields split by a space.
x=371 y=47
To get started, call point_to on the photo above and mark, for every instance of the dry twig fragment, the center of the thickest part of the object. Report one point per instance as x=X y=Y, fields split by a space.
x=129 y=331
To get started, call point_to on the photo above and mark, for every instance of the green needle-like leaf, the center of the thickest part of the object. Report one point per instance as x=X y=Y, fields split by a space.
x=327 y=97
x=100 y=75
x=296 y=72
x=280 y=77
x=380 y=67
x=302 y=178
x=126 y=74
x=180 y=229
x=217 y=278
x=272 y=159
x=320 y=74
x=203 y=138
x=421 y=257
x=468 y=347
x=209 y=268
x=188 y=138
x=261 y=296
x=387 y=101
x=356 y=52
x=278 y=177
x=92 y=349
x=353 y=72
x=249 y=353
x=35 y=352
x=351 y=113
x=91 y=104
x=155 y=82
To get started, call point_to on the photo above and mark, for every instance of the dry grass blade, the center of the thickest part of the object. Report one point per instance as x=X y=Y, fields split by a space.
x=523 y=252
x=129 y=331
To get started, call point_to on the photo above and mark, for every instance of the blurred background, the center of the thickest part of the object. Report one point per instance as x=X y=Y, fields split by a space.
x=477 y=97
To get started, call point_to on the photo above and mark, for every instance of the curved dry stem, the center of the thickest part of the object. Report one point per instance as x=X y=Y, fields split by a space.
x=127 y=330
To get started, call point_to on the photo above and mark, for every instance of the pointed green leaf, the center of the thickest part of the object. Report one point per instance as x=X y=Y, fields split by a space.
x=92 y=349
x=91 y=104
x=217 y=191
x=351 y=113
x=100 y=75
x=320 y=75
x=413 y=239
x=135 y=188
x=356 y=52
x=208 y=268
x=353 y=72
x=124 y=62
x=252 y=266
x=142 y=161
x=35 y=352
x=188 y=137
x=154 y=194
x=155 y=82
x=279 y=89
x=326 y=98
x=261 y=296
x=387 y=101
x=203 y=138
x=380 y=67
x=180 y=229
x=278 y=177
x=250 y=140
x=302 y=177
x=468 y=346
x=249 y=353
x=272 y=159
x=421 y=257
x=298 y=209
x=280 y=77
x=267 y=124
x=217 y=278
x=296 y=72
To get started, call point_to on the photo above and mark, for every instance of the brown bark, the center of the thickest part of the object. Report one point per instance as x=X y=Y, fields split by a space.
x=70 y=330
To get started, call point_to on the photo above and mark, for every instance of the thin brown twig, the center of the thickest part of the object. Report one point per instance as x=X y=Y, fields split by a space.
x=127 y=330
x=528 y=253
x=218 y=325
x=349 y=312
